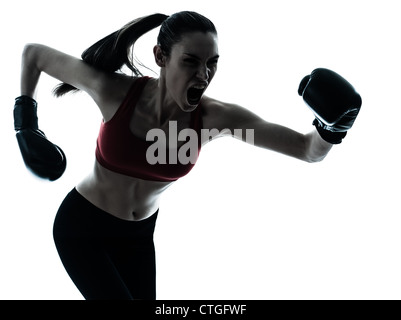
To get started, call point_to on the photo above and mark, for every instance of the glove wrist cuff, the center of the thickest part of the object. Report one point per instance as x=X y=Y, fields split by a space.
x=25 y=113
x=327 y=135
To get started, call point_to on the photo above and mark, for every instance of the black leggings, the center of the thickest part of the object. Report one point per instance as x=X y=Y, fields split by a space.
x=106 y=257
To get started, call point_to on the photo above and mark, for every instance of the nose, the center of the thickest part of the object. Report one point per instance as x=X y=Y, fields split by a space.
x=203 y=73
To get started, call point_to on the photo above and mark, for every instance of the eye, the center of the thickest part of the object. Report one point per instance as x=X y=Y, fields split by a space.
x=213 y=63
x=190 y=61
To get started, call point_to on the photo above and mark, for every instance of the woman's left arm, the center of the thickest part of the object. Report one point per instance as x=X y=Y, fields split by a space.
x=231 y=118
x=333 y=100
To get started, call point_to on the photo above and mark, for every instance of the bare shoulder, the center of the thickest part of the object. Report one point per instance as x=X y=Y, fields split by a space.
x=222 y=115
x=113 y=87
x=112 y=92
x=215 y=112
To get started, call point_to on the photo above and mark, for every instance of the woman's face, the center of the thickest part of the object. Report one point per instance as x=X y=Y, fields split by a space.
x=190 y=68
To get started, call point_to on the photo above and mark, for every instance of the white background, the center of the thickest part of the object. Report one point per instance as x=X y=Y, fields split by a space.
x=245 y=223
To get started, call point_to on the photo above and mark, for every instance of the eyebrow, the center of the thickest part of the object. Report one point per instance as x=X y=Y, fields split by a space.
x=196 y=57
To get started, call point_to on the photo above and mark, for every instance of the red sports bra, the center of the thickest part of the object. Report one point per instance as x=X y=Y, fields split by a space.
x=119 y=150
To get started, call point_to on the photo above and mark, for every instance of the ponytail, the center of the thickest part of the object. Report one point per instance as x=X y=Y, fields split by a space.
x=112 y=52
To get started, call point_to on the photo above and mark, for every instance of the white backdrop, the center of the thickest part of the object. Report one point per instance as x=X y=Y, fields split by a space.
x=245 y=223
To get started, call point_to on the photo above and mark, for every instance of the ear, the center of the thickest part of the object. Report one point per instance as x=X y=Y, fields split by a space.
x=159 y=56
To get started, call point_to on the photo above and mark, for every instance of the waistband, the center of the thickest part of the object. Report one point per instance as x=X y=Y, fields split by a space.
x=79 y=217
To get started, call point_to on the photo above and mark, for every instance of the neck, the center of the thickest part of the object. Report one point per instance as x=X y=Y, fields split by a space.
x=165 y=107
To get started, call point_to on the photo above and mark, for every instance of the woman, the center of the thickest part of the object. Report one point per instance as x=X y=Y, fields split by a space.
x=104 y=228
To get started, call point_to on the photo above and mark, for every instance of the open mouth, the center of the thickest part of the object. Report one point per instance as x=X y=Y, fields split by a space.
x=195 y=93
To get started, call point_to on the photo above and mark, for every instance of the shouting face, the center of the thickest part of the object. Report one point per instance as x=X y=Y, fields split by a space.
x=189 y=69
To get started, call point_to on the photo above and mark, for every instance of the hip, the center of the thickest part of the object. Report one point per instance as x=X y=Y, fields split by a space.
x=78 y=217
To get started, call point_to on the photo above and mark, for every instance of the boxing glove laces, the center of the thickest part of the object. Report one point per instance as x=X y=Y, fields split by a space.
x=334 y=102
x=43 y=158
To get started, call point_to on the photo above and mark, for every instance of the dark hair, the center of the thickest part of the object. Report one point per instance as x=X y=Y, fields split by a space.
x=111 y=53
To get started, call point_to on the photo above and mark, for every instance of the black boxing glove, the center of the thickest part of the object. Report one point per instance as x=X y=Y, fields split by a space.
x=334 y=102
x=42 y=157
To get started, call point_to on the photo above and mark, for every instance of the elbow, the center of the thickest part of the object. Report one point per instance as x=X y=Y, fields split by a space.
x=30 y=56
x=28 y=51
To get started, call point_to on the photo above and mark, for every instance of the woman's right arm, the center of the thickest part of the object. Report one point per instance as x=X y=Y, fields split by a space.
x=106 y=89
x=38 y=58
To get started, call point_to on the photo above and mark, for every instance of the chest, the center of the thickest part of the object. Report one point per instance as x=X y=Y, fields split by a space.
x=171 y=132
